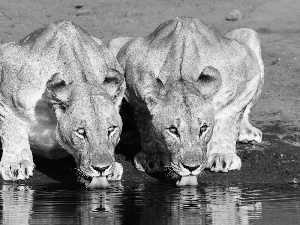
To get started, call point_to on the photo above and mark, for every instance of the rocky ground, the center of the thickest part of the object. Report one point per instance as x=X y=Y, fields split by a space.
x=277 y=159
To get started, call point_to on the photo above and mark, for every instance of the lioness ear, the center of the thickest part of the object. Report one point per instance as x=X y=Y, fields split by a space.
x=249 y=38
x=58 y=92
x=209 y=80
x=114 y=84
x=152 y=89
x=119 y=94
x=117 y=43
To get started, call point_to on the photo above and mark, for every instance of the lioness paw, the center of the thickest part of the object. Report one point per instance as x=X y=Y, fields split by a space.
x=140 y=160
x=224 y=162
x=249 y=134
x=145 y=163
x=117 y=173
x=150 y=163
x=18 y=170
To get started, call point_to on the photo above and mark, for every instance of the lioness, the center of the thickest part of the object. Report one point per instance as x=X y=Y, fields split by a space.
x=59 y=87
x=192 y=90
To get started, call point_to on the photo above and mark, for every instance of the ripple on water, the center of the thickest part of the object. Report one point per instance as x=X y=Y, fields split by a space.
x=150 y=204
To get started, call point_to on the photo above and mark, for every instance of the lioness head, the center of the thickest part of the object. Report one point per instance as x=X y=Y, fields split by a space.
x=178 y=78
x=89 y=127
x=176 y=124
x=182 y=125
x=85 y=91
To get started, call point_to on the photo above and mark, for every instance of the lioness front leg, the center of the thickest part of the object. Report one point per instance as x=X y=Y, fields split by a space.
x=17 y=161
x=150 y=159
x=151 y=163
x=248 y=133
x=221 y=149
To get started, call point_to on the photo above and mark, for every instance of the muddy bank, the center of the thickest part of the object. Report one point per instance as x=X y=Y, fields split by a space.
x=275 y=161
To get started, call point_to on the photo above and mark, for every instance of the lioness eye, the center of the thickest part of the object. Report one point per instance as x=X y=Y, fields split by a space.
x=173 y=130
x=80 y=132
x=203 y=128
x=111 y=130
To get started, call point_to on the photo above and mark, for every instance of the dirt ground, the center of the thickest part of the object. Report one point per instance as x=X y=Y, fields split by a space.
x=277 y=23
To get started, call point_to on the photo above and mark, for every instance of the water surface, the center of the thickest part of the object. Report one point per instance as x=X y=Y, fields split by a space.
x=132 y=203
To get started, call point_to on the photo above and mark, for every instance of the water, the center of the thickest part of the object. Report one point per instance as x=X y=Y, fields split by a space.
x=130 y=203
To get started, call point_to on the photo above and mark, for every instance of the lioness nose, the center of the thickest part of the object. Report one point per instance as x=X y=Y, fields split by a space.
x=101 y=169
x=190 y=168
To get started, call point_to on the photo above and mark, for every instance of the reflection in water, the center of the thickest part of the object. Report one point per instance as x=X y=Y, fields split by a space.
x=194 y=205
x=147 y=204
x=97 y=206
x=226 y=206
x=16 y=201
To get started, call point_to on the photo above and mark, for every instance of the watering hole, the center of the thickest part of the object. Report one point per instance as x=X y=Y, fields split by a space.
x=150 y=204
